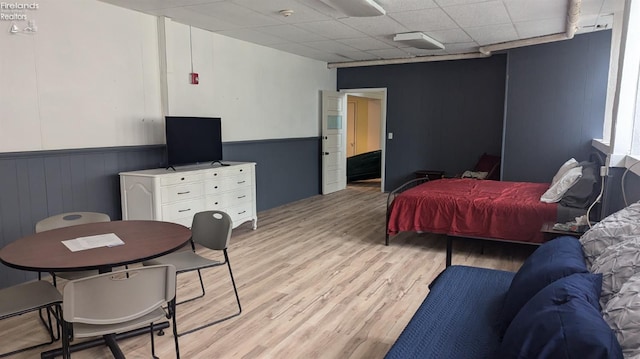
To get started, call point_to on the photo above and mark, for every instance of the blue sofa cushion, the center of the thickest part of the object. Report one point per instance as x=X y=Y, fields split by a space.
x=563 y=320
x=457 y=318
x=551 y=261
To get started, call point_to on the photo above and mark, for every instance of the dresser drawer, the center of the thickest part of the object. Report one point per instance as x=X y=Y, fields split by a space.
x=181 y=178
x=181 y=209
x=229 y=199
x=240 y=213
x=182 y=192
x=225 y=184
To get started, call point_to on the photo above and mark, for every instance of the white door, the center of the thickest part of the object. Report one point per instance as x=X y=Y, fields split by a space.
x=334 y=138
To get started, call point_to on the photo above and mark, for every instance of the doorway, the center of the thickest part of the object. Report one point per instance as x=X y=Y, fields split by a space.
x=366 y=124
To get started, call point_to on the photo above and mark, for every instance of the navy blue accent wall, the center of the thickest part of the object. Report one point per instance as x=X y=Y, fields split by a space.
x=287 y=170
x=555 y=105
x=35 y=185
x=443 y=115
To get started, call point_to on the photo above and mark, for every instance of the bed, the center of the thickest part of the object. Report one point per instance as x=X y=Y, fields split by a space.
x=482 y=209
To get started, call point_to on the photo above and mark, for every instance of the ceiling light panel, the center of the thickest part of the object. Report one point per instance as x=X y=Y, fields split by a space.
x=418 y=40
x=356 y=8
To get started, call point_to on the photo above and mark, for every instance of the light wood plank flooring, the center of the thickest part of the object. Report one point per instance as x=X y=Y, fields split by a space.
x=315 y=281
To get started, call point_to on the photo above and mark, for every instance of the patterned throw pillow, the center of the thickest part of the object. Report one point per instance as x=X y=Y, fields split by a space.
x=617 y=264
x=622 y=313
x=613 y=229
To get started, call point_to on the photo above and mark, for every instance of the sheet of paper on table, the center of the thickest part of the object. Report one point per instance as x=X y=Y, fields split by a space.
x=99 y=240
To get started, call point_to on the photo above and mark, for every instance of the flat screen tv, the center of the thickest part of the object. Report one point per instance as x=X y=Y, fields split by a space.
x=193 y=140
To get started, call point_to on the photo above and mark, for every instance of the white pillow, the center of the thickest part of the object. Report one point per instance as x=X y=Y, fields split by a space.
x=557 y=190
x=571 y=163
x=615 y=228
x=622 y=313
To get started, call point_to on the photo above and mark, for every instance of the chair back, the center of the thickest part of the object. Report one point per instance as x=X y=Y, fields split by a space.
x=115 y=297
x=70 y=219
x=212 y=229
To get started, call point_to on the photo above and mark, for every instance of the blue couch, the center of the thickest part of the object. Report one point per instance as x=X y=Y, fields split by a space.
x=548 y=309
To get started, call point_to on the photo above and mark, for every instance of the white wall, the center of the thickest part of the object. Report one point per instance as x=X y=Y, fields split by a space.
x=89 y=77
x=260 y=93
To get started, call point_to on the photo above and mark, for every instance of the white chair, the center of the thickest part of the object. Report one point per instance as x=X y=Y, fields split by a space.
x=29 y=297
x=211 y=229
x=116 y=302
x=67 y=220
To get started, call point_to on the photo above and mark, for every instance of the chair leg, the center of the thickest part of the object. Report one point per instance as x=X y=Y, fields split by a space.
x=201 y=290
x=235 y=290
x=153 y=344
x=172 y=306
x=66 y=353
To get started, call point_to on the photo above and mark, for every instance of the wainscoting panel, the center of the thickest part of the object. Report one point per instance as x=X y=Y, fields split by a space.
x=35 y=185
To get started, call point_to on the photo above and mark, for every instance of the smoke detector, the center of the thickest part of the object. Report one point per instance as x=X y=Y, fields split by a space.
x=286 y=12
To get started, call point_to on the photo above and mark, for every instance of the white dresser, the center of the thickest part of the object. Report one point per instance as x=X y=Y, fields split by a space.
x=175 y=196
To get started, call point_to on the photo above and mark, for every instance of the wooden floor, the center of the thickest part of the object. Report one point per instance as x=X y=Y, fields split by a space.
x=315 y=281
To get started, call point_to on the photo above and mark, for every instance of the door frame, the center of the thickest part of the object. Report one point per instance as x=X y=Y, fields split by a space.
x=378 y=93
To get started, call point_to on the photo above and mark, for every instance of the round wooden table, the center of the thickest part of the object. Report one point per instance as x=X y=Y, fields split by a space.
x=143 y=240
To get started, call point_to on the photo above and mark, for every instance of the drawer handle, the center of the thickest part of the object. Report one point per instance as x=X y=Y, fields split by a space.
x=182 y=179
x=242 y=212
x=243 y=196
x=241 y=170
x=184 y=210
x=187 y=192
x=216 y=203
x=215 y=174
x=215 y=187
x=241 y=182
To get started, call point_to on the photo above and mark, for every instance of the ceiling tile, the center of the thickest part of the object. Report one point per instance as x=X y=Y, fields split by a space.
x=528 y=29
x=305 y=51
x=450 y=36
x=143 y=5
x=359 y=55
x=329 y=46
x=479 y=14
x=494 y=34
x=535 y=10
x=423 y=52
x=366 y=43
x=391 y=53
x=424 y=20
x=374 y=26
x=301 y=12
x=331 y=29
x=392 y=6
x=444 y=3
x=189 y=17
x=290 y=33
x=235 y=14
x=257 y=37
x=462 y=48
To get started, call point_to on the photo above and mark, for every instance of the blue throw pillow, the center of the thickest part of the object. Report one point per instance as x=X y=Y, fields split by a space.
x=562 y=321
x=551 y=261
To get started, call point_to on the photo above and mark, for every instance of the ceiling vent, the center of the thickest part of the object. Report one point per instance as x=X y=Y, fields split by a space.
x=418 y=40
x=356 y=8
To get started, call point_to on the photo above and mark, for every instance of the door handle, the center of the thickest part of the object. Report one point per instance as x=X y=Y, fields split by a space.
x=326 y=153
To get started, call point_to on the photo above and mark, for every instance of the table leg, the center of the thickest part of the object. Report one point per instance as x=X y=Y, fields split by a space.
x=104 y=341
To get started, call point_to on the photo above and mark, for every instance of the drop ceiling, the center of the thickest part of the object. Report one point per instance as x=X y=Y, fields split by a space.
x=316 y=30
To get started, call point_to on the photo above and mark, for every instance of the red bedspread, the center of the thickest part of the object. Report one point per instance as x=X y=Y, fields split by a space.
x=474 y=208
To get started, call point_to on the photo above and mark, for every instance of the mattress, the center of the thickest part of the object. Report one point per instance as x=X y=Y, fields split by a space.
x=465 y=207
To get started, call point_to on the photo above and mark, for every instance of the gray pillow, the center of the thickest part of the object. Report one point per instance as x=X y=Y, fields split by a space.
x=622 y=313
x=584 y=192
x=614 y=228
x=617 y=264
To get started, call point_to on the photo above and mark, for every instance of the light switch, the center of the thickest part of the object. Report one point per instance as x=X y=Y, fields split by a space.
x=390 y=136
